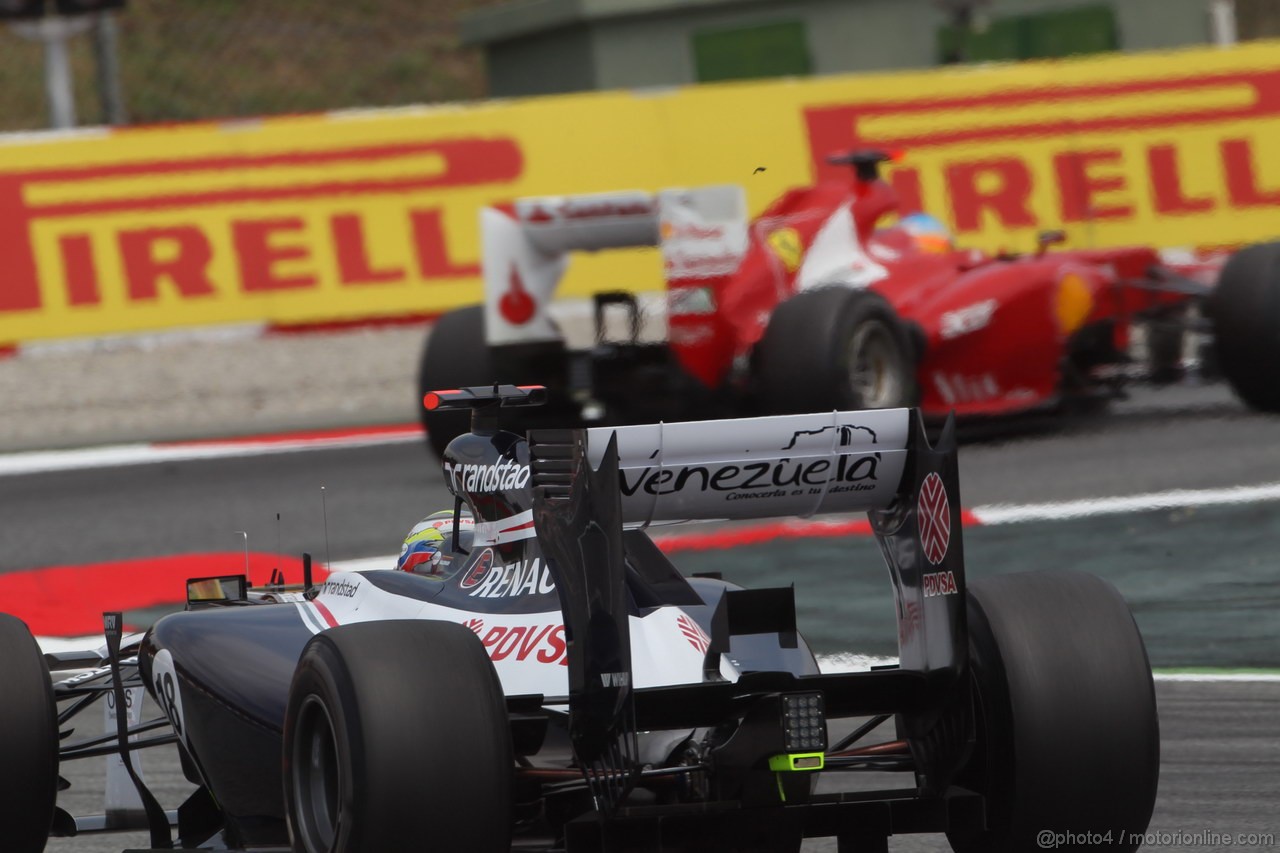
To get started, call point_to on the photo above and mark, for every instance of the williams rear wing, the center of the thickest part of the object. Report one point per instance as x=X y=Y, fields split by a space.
x=591 y=483
x=789 y=465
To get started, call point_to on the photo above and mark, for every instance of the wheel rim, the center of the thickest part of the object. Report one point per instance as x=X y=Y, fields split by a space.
x=875 y=374
x=317 y=781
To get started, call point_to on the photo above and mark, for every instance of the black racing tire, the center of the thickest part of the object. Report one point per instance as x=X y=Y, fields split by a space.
x=1245 y=311
x=834 y=348
x=396 y=738
x=456 y=356
x=1068 y=738
x=28 y=741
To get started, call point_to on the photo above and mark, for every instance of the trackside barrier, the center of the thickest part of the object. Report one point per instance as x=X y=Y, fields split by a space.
x=371 y=214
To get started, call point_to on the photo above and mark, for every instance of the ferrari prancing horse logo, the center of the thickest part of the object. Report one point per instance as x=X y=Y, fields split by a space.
x=933 y=514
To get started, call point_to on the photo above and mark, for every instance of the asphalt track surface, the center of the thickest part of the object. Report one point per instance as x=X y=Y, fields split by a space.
x=1176 y=438
x=1221 y=768
x=1220 y=776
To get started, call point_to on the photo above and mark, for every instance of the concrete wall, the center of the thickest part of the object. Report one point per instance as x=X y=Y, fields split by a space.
x=843 y=36
x=561 y=60
x=1144 y=24
x=610 y=44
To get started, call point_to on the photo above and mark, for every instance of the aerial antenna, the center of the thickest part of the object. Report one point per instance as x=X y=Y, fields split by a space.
x=307 y=587
x=457 y=526
x=245 y=534
x=324 y=514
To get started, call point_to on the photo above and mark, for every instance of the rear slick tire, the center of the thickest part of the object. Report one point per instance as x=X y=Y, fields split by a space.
x=396 y=738
x=1068 y=740
x=834 y=348
x=28 y=741
x=1245 y=310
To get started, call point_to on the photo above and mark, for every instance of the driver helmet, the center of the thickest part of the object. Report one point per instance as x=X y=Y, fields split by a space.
x=928 y=233
x=428 y=549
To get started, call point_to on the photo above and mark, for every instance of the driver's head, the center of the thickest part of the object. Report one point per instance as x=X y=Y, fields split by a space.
x=928 y=233
x=428 y=549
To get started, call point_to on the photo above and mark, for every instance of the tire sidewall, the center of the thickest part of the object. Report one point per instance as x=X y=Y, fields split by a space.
x=422 y=737
x=30 y=749
x=871 y=313
x=1067 y=729
x=329 y=681
x=1245 y=310
x=802 y=362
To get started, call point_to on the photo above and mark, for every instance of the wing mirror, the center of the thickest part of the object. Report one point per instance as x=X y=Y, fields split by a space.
x=1045 y=239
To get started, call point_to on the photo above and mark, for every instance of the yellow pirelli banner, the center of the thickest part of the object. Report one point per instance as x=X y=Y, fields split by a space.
x=371 y=214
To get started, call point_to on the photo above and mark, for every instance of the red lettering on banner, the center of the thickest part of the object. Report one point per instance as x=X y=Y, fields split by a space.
x=1009 y=200
x=1242 y=182
x=81 y=274
x=465 y=163
x=187 y=268
x=1166 y=184
x=1079 y=185
x=258 y=254
x=433 y=250
x=354 y=266
x=1257 y=96
x=906 y=183
x=21 y=288
x=838 y=127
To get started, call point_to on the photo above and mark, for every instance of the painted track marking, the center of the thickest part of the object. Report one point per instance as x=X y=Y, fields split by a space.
x=48 y=461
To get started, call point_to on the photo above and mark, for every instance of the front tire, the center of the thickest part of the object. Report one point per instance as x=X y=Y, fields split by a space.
x=1245 y=310
x=396 y=737
x=834 y=348
x=1068 y=738
x=28 y=741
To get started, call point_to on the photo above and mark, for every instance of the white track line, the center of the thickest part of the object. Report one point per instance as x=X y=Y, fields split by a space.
x=45 y=461
x=851 y=662
x=1272 y=677
x=1173 y=499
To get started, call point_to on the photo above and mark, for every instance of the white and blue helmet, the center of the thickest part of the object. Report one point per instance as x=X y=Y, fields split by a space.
x=428 y=549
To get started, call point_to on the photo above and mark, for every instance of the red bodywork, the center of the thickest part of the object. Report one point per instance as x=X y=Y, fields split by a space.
x=995 y=329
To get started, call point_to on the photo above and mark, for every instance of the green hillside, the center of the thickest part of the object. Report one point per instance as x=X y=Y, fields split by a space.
x=201 y=59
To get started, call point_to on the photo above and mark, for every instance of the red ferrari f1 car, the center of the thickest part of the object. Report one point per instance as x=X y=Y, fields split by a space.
x=815 y=305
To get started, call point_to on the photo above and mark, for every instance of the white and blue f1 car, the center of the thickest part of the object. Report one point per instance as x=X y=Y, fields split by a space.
x=566 y=688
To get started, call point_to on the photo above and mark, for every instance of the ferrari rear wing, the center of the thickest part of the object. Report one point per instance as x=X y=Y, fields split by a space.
x=591 y=483
x=702 y=233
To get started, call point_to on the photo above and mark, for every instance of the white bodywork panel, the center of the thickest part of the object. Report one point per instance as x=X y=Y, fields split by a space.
x=528 y=650
x=788 y=465
x=836 y=256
